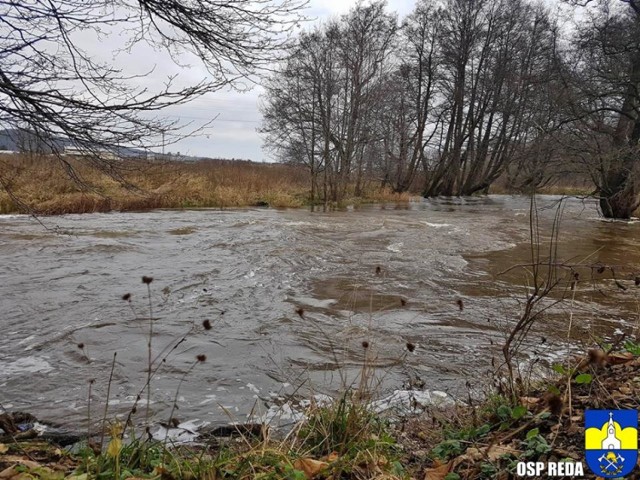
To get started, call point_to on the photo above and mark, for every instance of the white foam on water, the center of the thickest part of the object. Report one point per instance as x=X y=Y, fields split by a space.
x=208 y=399
x=253 y=388
x=437 y=225
x=319 y=400
x=25 y=340
x=25 y=365
x=395 y=247
x=313 y=302
x=406 y=401
x=280 y=414
x=186 y=432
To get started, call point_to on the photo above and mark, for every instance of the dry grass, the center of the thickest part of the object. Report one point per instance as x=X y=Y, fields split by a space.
x=42 y=186
x=578 y=185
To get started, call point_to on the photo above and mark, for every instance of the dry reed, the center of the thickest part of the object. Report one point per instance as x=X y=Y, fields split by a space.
x=40 y=185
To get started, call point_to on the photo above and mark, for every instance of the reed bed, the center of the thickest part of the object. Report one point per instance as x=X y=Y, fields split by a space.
x=41 y=185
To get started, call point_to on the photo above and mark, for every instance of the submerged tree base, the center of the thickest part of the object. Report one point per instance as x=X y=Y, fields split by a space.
x=620 y=206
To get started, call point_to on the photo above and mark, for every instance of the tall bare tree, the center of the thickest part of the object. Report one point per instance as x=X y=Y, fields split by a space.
x=325 y=97
x=494 y=58
x=410 y=120
x=603 y=88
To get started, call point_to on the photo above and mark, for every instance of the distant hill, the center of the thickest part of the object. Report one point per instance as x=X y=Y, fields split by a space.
x=13 y=140
x=21 y=141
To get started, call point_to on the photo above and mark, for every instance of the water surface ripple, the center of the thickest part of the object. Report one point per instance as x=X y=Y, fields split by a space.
x=248 y=271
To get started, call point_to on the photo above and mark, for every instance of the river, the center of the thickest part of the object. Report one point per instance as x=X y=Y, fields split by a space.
x=291 y=296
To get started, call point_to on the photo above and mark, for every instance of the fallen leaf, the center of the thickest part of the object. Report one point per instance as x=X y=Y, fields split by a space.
x=497 y=451
x=529 y=401
x=439 y=472
x=20 y=461
x=332 y=457
x=309 y=466
x=472 y=454
x=620 y=358
x=8 y=472
x=492 y=453
x=13 y=473
x=3 y=448
x=567 y=453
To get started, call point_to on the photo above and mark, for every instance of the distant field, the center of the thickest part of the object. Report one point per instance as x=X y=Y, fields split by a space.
x=41 y=185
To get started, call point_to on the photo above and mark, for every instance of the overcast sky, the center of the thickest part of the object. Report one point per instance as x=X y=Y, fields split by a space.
x=234 y=134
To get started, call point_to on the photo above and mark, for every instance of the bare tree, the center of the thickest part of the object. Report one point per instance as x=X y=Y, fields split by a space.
x=52 y=88
x=322 y=103
x=461 y=93
x=294 y=116
x=494 y=58
x=603 y=91
x=410 y=98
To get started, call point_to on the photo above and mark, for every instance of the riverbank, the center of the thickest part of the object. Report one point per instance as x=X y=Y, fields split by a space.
x=42 y=186
x=345 y=440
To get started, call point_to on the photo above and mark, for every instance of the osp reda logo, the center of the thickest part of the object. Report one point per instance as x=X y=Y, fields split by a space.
x=611 y=441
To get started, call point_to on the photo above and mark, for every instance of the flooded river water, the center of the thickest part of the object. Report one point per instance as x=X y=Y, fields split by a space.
x=291 y=296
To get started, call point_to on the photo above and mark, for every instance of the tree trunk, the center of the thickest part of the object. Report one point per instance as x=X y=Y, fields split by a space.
x=619 y=198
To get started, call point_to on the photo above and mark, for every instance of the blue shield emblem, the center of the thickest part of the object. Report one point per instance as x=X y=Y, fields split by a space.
x=611 y=441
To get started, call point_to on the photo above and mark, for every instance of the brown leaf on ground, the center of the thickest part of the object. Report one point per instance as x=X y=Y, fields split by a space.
x=18 y=460
x=3 y=448
x=8 y=472
x=439 y=472
x=309 y=466
x=332 y=457
x=14 y=473
x=529 y=401
x=620 y=358
x=497 y=451
x=491 y=453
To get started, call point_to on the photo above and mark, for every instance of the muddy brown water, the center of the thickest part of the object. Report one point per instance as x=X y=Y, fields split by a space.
x=248 y=271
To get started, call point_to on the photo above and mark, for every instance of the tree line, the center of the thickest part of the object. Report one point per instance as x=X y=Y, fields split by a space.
x=460 y=93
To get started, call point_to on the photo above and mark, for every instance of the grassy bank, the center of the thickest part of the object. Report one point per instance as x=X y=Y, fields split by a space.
x=42 y=186
x=347 y=441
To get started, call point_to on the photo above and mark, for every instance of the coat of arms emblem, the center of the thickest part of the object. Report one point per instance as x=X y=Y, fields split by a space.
x=611 y=441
